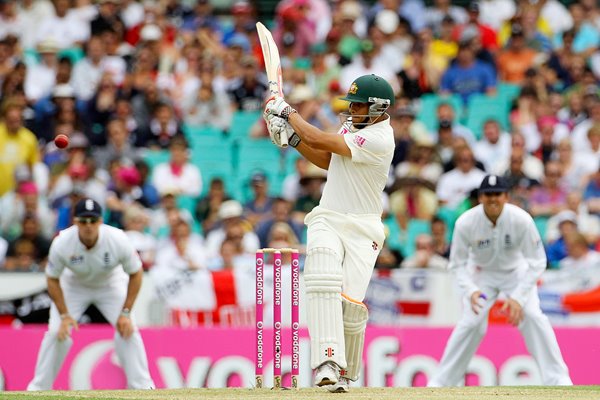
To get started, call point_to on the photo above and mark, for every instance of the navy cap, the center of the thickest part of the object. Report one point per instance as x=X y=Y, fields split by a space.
x=493 y=184
x=87 y=208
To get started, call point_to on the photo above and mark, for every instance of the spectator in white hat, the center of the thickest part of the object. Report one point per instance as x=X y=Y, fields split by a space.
x=230 y=214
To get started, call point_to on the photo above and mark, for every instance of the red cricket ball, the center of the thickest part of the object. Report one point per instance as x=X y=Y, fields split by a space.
x=61 y=141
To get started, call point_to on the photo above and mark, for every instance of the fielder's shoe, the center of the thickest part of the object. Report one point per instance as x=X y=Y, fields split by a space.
x=342 y=386
x=327 y=374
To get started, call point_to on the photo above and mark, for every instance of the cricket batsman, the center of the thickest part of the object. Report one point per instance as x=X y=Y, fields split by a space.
x=345 y=232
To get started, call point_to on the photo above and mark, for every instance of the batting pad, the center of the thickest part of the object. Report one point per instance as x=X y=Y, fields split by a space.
x=323 y=281
x=355 y=323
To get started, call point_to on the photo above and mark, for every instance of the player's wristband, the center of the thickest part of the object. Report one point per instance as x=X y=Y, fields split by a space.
x=126 y=312
x=65 y=315
x=286 y=112
x=294 y=140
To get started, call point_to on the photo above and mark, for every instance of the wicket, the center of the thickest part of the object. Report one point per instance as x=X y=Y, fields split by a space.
x=295 y=295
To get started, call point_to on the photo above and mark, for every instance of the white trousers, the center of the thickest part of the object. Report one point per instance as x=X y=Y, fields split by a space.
x=470 y=330
x=109 y=301
x=341 y=251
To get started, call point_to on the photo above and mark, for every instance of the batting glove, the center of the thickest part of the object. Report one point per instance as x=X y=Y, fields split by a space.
x=278 y=106
x=277 y=127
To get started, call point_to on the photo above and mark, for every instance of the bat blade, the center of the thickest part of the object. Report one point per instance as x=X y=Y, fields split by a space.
x=272 y=65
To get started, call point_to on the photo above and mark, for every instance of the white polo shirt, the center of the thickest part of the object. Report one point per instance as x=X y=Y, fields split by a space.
x=354 y=185
x=512 y=243
x=110 y=260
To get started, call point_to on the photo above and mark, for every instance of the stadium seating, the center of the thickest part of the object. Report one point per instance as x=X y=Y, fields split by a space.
x=428 y=109
x=483 y=108
x=241 y=123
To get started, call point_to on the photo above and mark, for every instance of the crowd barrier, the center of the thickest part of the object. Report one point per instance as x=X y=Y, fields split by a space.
x=220 y=357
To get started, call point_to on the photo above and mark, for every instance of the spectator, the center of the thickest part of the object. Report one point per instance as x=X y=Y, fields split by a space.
x=18 y=146
x=281 y=212
x=591 y=194
x=248 y=92
x=587 y=224
x=425 y=255
x=119 y=145
x=414 y=199
x=556 y=250
x=494 y=148
x=580 y=258
x=422 y=162
x=439 y=235
x=468 y=76
x=259 y=207
x=447 y=116
x=407 y=129
x=135 y=223
x=517 y=58
x=183 y=250
x=312 y=186
x=454 y=186
x=575 y=169
x=29 y=247
x=549 y=198
x=25 y=201
x=63 y=27
x=179 y=176
x=210 y=108
x=516 y=176
x=87 y=73
x=207 y=208
x=489 y=39
x=123 y=192
x=230 y=216
x=162 y=129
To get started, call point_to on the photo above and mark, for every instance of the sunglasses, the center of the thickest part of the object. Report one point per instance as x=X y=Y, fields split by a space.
x=87 y=220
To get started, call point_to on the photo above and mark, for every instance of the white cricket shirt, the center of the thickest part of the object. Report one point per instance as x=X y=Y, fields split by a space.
x=109 y=261
x=512 y=243
x=354 y=185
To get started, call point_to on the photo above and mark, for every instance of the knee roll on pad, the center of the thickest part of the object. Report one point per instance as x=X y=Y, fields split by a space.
x=323 y=282
x=355 y=315
x=323 y=271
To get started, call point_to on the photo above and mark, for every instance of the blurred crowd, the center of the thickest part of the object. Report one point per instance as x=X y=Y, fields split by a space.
x=499 y=86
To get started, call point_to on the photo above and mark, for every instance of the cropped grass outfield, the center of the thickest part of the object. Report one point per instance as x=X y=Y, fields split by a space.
x=473 y=393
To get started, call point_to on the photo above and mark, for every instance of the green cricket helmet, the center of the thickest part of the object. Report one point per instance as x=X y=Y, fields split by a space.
x=374 y=90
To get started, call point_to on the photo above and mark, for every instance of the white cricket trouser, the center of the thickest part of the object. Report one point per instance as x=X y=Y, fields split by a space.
x=470 y=330
x=353 y=243
x=109 y=301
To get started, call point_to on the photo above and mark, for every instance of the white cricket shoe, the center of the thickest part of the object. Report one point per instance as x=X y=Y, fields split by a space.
x=327 y=374
x=342 y=386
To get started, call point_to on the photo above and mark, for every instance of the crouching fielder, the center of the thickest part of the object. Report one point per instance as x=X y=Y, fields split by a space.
x=101 y=268
x=502 y=246
x=345 y=232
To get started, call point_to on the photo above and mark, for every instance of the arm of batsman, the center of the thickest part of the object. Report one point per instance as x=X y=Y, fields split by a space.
x=277 y=106
x=277 y=127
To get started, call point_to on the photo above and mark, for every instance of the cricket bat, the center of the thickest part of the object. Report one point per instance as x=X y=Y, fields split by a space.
x=272 y=66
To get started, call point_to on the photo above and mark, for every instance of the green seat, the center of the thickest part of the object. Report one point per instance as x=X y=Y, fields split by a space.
x=255 y=153
x=213 y=150
x=155 y=157
x=243 y=191
x=483 y=108
x=508 y=91
x=449 y=216
x=200 y=135
x=242 y=122
x=428 y=109
x=541 y=223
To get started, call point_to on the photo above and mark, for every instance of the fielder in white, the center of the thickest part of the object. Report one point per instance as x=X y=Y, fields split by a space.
x=345 y=232
x=92 y=263
x=496 y=248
